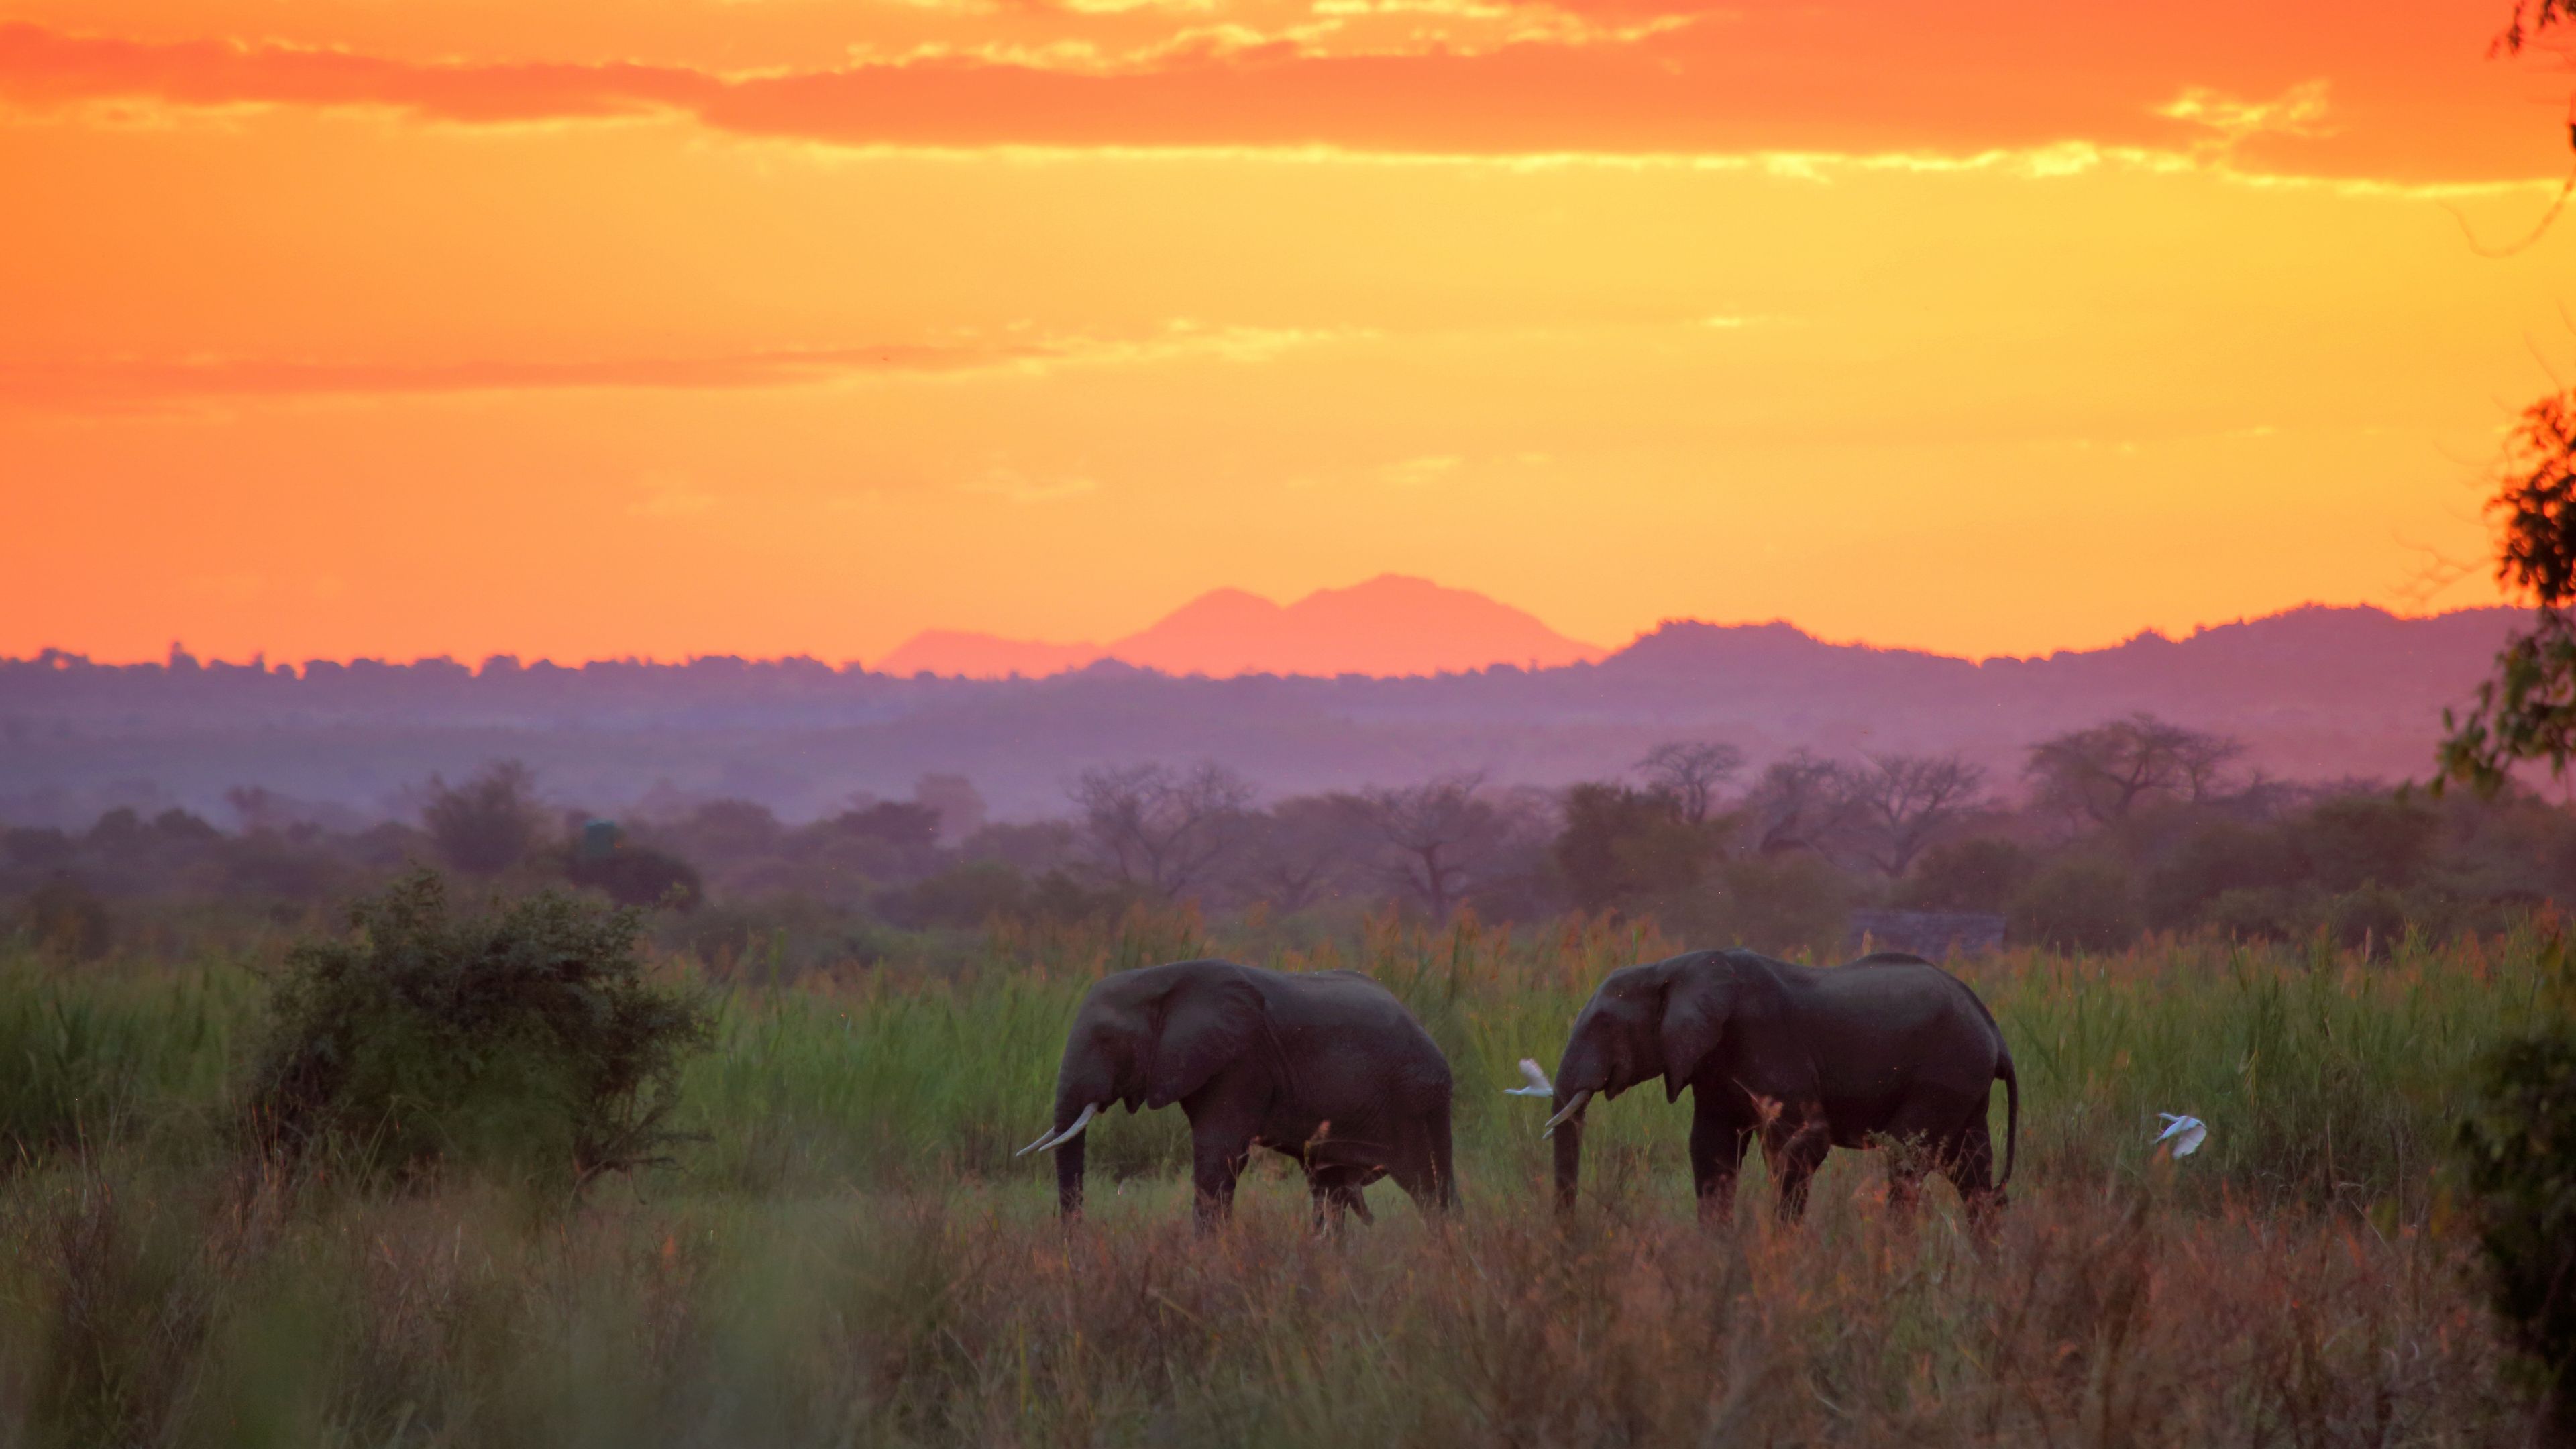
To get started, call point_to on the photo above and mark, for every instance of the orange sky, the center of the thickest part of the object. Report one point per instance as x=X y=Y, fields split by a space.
x=332 y=327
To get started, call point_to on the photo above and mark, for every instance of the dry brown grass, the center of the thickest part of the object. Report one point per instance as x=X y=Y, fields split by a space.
x=2100 y=1315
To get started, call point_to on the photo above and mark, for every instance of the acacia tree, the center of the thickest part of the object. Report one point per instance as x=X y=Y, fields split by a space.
x=1159 y=829
x=1802 y=801
x=1906 y=802
x=489 y=823
x=1621 y=847
x=1438 y=836
x=1297 y=852
x=1689 y=774
x=2103 y=773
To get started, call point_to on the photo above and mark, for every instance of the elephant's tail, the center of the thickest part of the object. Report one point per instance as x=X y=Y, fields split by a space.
x=2012 y=1116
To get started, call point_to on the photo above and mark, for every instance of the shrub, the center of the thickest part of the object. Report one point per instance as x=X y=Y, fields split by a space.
x=2221 y=857
x=2082 y=904
x=489 y=823
x=2521 y=1150
x=963 y=895
x=526 y=1037
x=2352 y=840
x=1784 y=903
x=66 y=921
x=1621 y=846
x=2373 y=916
x=2256 y=913
x=634 y=875
x=1966 y=875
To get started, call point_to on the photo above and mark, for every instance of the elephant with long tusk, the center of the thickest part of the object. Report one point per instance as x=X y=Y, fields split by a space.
x=1326 y=1067
x=1889 y=1049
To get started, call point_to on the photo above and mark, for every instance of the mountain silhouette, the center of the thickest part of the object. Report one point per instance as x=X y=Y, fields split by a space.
x=2315 y=693
x=1390 y=626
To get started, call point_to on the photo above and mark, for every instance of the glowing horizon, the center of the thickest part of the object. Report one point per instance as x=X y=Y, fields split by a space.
x=798 y=327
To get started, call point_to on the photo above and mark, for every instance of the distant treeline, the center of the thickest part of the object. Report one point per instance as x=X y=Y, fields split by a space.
x=2107 y=832
x=2313 y=693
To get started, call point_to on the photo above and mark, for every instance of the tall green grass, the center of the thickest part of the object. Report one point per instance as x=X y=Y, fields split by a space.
x=849 y=1254
x=2325 y=1078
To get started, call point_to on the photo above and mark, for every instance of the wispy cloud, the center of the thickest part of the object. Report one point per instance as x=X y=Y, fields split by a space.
x=672 y=495
x=117 y=385
x=1018 y=487
x=2299 y=111
x=1538 y=84
x=1418 y=472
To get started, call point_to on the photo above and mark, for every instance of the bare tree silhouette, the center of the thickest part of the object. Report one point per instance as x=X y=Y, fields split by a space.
x=1906 y=802
x=1690 y=773
x=1164 y=831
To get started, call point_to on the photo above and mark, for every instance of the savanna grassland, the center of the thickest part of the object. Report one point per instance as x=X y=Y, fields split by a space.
x=846 y=1252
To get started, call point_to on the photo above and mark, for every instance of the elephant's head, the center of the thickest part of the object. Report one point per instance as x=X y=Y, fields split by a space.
x=1659 y=1020
x=1147 y=1037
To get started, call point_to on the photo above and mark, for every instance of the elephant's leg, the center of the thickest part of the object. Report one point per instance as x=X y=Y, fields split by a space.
x=1716 y=1156
x=1970 y=1165
x=1794 y=1163
x=1217 y=1159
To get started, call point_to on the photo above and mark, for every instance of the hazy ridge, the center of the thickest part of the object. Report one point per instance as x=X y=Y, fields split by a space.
x=2319 y=692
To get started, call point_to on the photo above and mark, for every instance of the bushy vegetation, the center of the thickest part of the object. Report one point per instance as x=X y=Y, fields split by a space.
x=2520 y=1146
x=527 y=1036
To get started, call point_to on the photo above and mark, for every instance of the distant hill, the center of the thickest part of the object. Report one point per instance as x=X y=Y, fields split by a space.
x=964 y=654
x=1390 y=626
x=2317 y=693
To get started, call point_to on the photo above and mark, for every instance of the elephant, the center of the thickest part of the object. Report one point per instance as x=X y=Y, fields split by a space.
x=1886 y=1049
x=1326 y=1067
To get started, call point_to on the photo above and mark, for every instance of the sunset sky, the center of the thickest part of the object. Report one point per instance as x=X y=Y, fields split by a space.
x=583 y=328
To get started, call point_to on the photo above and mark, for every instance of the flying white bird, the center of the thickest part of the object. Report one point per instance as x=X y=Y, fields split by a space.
x=2185 y=1133
x=1539 y=1085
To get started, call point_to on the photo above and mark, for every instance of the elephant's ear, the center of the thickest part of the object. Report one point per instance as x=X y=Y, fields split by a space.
x=1206 y=1022
x=1697 y=1003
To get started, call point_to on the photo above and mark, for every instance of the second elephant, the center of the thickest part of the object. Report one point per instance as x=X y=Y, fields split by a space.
x=1888 y=1049
x=1326 y=1067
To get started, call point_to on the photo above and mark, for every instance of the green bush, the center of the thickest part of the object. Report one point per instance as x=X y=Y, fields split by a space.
x=1789 y=903
x=66 y=921
x=2521 y=1150
x=2373 y=916
x=1621 y=847
x=1966 y=875
x=2256 y=913
x=525 y=1038
x=634 y=875
x=2353 y=840
x=964 y=895
x=2219 y=858
x=2082 y=904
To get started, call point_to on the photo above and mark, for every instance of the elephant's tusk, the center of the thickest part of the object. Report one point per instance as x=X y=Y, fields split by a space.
x=1571 y=1108
x=1050 y=1144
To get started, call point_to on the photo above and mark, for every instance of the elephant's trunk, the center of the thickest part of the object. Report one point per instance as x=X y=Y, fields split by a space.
x=1580 y=1075
x=1568 y=1138
x=1080 y=1095
x=1068 y=1178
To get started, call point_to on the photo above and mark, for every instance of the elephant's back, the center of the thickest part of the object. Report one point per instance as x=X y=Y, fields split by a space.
x=1910 y=999
x=1360 y=1037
